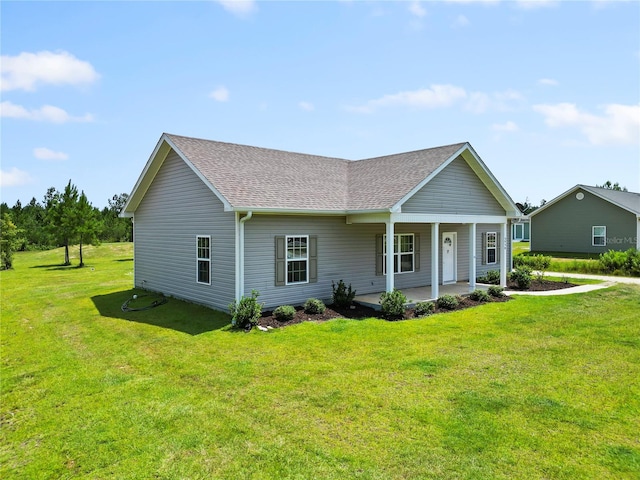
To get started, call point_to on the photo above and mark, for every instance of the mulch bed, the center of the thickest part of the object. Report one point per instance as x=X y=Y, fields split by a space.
x=359 y=311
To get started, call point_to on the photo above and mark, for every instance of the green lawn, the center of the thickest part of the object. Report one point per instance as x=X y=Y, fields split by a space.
x=535 y=388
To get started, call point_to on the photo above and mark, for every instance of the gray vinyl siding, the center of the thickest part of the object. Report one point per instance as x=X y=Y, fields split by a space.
x=455 y=190
x=177 y=207
x=566 y=225
x=481 y=268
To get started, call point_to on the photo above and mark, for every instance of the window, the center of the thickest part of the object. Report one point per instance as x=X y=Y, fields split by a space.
x=598 y=236
x=297 y=259
x=492 y=248
x=203 y=253
x=403 y=253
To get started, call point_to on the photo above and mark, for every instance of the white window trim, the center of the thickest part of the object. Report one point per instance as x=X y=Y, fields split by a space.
x=288 y=260
x=594 y=236
x=494 y=248
x=398 y=254
x=202 y=259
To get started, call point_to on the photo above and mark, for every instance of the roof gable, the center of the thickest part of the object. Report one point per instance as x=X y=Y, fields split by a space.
x=253 y=178
x=629 y=201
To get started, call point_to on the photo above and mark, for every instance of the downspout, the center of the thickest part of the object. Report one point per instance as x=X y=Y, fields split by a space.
x=240 y=256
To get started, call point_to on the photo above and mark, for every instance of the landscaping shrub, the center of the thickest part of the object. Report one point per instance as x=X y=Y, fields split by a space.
x=491 y=277
x=536 y=262
x=342 y=296
x=625 y=263
x=393 y=303
x=448 y=302
x=284 y=313
x=314 y=306
x=496 y=291
x=423 y=309
x=246 y=312
x=522 y=277
x=479 y=296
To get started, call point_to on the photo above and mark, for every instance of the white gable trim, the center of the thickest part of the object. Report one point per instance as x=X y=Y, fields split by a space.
x=572 y=190
x=482 y=172
x=157 y=158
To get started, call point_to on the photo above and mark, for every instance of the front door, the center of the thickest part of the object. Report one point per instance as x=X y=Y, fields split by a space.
x=449 y=254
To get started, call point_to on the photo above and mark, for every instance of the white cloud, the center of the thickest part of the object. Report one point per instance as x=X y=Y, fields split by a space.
x=43 y=153
x=480 y=102
x=14 y=178
x=461 y=21
x=436 y=96
x=534 y=4
x=417 y=9
x=220 y=94
x=548 y=81
x=505 y=127
x=46 y=113
x=619 y=125
x=28 y=70
x=309 y=107
x=241 y=8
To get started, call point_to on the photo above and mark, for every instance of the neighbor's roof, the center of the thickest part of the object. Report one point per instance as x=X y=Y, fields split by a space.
x=627 y=200
x=246 y=177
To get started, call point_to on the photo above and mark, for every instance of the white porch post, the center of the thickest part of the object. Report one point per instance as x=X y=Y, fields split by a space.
x=390 y=256
x=504 y=261
x=435 y=244
x=472 y=257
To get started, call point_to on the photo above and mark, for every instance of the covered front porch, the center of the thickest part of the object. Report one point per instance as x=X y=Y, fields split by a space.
x=420 y=294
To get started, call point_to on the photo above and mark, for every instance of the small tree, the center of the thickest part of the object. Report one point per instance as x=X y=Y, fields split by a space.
x=62 y=216
x=9 y=240
x=87 y=224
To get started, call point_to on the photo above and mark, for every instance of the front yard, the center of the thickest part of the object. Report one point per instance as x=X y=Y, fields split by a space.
x=542 y=387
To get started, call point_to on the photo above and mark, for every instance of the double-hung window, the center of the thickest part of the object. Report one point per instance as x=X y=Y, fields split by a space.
x=492 y=248
x=403 y=253
x=598 y=236
x=297 y=259
x=203 y=254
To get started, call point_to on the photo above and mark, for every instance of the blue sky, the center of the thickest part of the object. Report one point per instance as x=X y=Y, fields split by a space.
x=548 y=93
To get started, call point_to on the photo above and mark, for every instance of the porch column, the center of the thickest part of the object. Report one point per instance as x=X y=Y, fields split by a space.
x=390 y=256
x=435 y=256
x=504 y=261
x=472 y=257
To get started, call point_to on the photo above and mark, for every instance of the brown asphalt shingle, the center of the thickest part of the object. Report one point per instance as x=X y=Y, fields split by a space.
x=256 y=177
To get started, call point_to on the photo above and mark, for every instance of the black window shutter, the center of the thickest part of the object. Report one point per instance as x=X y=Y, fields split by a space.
x=484 y=248
x=281 y=268
x=416 y=252
x=313 y=259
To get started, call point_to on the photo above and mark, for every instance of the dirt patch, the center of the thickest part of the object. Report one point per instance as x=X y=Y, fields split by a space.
x=540 y=286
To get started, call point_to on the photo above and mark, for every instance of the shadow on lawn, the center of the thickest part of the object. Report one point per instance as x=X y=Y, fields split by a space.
x=58 y=266
x=175 y=314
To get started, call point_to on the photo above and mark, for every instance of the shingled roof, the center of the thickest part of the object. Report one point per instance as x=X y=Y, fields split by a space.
x=262 y=178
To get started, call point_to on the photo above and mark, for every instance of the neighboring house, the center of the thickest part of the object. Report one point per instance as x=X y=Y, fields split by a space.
x=214 y=221
x=520 y=230
x=587 y=219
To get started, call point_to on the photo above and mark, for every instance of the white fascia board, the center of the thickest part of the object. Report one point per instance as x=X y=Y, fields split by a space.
x=227 y=206
x=589 y=189
x=555 y=200
x=447 y=218
x=156 y=159
x=303 y=211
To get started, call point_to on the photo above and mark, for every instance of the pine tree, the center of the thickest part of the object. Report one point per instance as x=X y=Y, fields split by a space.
x=87 y=224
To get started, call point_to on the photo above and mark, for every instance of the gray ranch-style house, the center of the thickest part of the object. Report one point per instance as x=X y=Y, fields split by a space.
x=214 y=221
x=587 y=219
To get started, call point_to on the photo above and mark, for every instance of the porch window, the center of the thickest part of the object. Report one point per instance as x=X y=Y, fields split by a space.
x=403 y=253
x=203 y=254
x=297 y=257
x=491 y=248
x=598 y=236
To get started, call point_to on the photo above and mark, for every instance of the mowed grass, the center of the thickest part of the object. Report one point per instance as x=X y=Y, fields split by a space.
x=542 y=387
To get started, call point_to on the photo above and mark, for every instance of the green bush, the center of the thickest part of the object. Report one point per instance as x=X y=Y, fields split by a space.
x=342 y=296
x=314 y=306
x=522 y=277
x=496 y=291
x=625 y=263
x=535 y=262
x=246 y=312
x=492 y=277
x=423 y=309
x=393 y=303
x=479 y=296
x=447 y=302
x=284 y=313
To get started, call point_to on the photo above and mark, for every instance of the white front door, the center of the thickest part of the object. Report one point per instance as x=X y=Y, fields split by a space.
x=449 y=254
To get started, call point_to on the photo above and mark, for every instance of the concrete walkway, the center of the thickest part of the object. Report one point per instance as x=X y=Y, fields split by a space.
x=607 y=280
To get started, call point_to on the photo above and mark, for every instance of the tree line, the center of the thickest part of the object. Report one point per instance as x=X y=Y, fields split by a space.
x=59 y=220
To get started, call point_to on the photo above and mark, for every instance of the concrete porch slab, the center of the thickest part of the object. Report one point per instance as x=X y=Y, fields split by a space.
x=419 y=294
